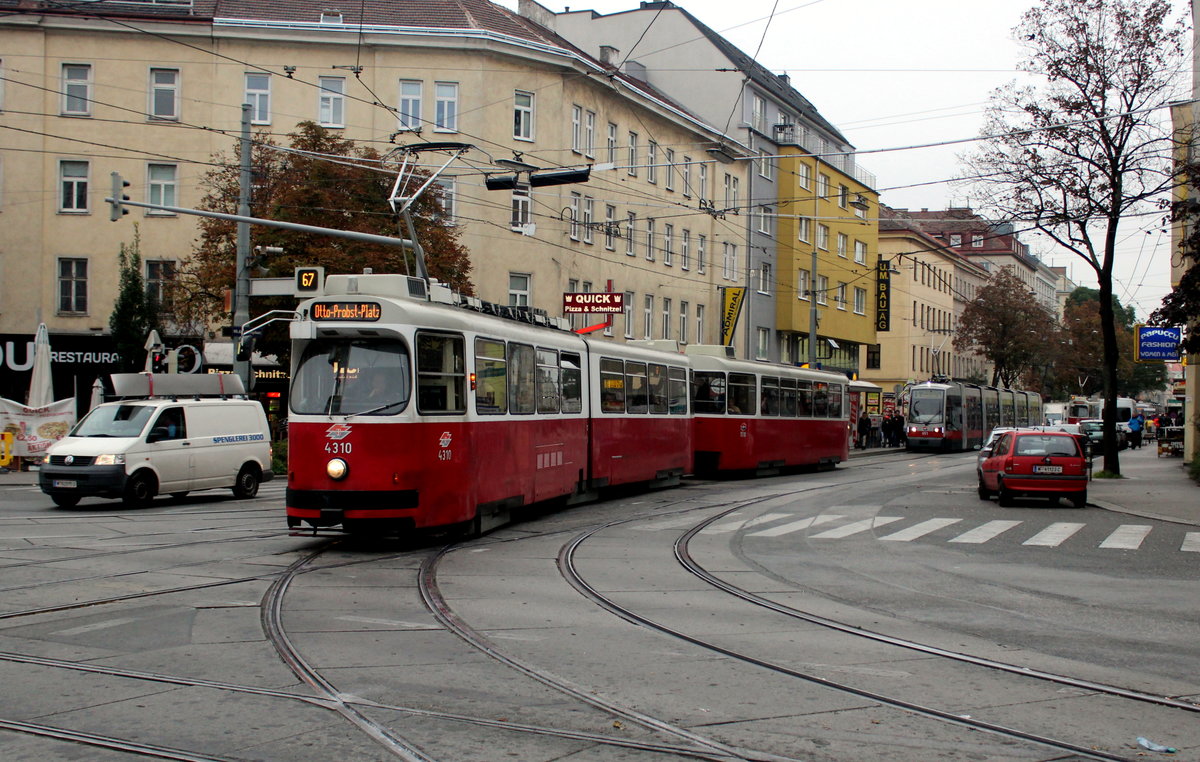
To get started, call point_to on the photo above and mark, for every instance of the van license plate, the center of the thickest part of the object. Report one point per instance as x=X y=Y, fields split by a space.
x=1047 y=469
x=65 y=483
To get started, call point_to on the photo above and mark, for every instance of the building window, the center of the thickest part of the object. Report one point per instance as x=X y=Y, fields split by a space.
x=729 y=261
x=685 y=174
x=666 y=318
x=573 y=228
x=652 y=162
x=449 y=198
x=589 y=134
x=874 y=357
x=669 y=245
x=519 y=289
x=823 y=186
x=577 y=129
x=841 y=296
x=523 y=115
x=445 y=106
x=804 y=226
x=650 y=240
x=258 y=95
x=843 y=196
x=843 y=245
x=700 y=324
x=701 y=254
x=331 y=101
x=823 y=237
x=77 y=89
x=860 y=252
x=766 y=165
x=670 y=159
x=73 y=182
x=72 y=285
x=612 y=144
x=159 y=274
x=630 y=226
x=764 y=219
x=804 y=176
x=762 y=345
x=648 y=317
x=610 y=227
x=685 y=249
x=803 y=285
x=758 y=113
x=731 y=192
x=161 y=185
x=702 y=182
x=632 y=160
x=822 y=289
x=409 y=112
x=589 y=221
x=860 y=301
x=521 y=208
x=764 y=278
x=164 y=94
x=955 y=239
x=977 y=242
x=683 y=322
x=627 y=309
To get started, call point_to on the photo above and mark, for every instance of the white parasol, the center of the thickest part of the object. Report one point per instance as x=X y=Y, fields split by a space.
x=41 y=388
x=97 y=394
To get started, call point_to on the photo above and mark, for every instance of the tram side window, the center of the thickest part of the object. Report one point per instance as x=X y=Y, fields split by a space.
x=658 y=389
x=770 y=395
x=835 y=400
x=441 y=374
x=548 y=398
x=787 y=397
x=708 y=391
x=805 y=398
x=743 y=388
x=522 y=370
x=572 y=382
x=637 y=392
x=820 y=399
x=612 y=386
x=678 y=391
x=491 y=377
x=953 y=410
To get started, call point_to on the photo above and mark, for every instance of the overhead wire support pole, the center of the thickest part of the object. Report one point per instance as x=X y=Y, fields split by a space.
x=241 y=293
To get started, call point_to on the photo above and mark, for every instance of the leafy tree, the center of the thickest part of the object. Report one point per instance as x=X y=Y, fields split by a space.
x=1007 y=325
x=322 y=180
x=1077 y=153
x=135 y=312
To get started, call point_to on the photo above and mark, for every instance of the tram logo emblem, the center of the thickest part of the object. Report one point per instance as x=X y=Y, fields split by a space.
x=337 y=431
x=444 y=439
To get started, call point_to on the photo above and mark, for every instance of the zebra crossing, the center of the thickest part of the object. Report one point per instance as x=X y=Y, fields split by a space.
x=841 y=522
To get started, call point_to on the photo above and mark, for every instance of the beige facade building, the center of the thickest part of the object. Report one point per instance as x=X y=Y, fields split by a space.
x=154 y=90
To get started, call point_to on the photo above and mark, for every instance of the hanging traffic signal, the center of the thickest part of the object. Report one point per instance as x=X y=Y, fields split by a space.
x=116 y=208
x=158 y=361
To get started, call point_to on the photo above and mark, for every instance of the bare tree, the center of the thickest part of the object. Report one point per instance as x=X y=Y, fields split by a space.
x=1075 y=154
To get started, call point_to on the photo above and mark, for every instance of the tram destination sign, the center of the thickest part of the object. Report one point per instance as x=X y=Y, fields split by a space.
x=1158 y=344
x=593 y=301
x=352 y=311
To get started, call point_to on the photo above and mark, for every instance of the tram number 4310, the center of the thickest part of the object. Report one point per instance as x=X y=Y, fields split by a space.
x=338 y=448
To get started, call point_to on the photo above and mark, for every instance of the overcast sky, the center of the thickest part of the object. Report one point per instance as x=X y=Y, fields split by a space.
x=893 y=74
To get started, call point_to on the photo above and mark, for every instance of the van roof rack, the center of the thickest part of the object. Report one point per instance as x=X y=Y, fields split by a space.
x=146 y=385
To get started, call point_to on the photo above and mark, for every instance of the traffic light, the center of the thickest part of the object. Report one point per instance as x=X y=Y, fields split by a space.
x=246 y=347
x=117 y=209
x=158 y=361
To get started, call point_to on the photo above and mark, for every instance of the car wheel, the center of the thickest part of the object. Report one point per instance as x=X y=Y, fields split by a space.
x=1079 y=499
x=1006 y=496
x=246 y=484
x=140 y=489
x=984 y=492
x=65 y=501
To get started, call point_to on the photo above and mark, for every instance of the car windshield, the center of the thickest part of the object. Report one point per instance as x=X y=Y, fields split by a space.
x=1090 y=427
x=1034 y=445
x=115 y=421
x=925 y=406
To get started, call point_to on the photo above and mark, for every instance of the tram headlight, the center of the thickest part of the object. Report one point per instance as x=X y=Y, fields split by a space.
x=337 y=469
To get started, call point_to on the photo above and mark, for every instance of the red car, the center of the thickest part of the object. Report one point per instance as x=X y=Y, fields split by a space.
x=1049 y=464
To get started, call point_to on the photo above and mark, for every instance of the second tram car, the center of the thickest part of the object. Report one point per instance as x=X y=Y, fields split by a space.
x=410 y=412
x=955 y=416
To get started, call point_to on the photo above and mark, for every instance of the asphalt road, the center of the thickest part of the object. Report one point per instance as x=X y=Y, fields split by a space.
x=876 y=611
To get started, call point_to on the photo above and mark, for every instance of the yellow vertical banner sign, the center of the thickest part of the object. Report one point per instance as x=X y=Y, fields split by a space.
x=731 y=308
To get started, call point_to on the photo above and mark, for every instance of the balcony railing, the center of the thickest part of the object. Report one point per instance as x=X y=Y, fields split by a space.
x=799 y=135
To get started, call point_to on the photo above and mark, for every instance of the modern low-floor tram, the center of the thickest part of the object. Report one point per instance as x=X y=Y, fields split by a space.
x=953 y=416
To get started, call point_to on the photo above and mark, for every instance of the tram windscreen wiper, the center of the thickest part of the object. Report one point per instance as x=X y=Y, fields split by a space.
x=378 y=409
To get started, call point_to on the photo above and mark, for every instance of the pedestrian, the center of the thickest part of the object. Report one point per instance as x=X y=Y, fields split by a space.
x=1136 y=424
x=864 y=429
x=901 y=432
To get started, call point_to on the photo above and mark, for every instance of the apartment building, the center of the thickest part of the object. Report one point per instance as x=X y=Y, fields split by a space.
x=153 y=89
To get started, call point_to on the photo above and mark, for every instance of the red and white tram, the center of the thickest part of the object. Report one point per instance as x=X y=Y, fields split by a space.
x=408 y=412
x=955 y=416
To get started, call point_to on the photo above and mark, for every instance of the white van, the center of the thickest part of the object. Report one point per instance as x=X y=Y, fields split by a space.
x=164 y=443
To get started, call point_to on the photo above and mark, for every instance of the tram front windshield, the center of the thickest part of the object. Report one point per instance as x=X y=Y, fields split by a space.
x=352 y=377
x=925 y=406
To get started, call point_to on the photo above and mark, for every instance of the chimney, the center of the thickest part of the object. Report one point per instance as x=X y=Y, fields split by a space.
x=609 y=55
x=785 y=79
